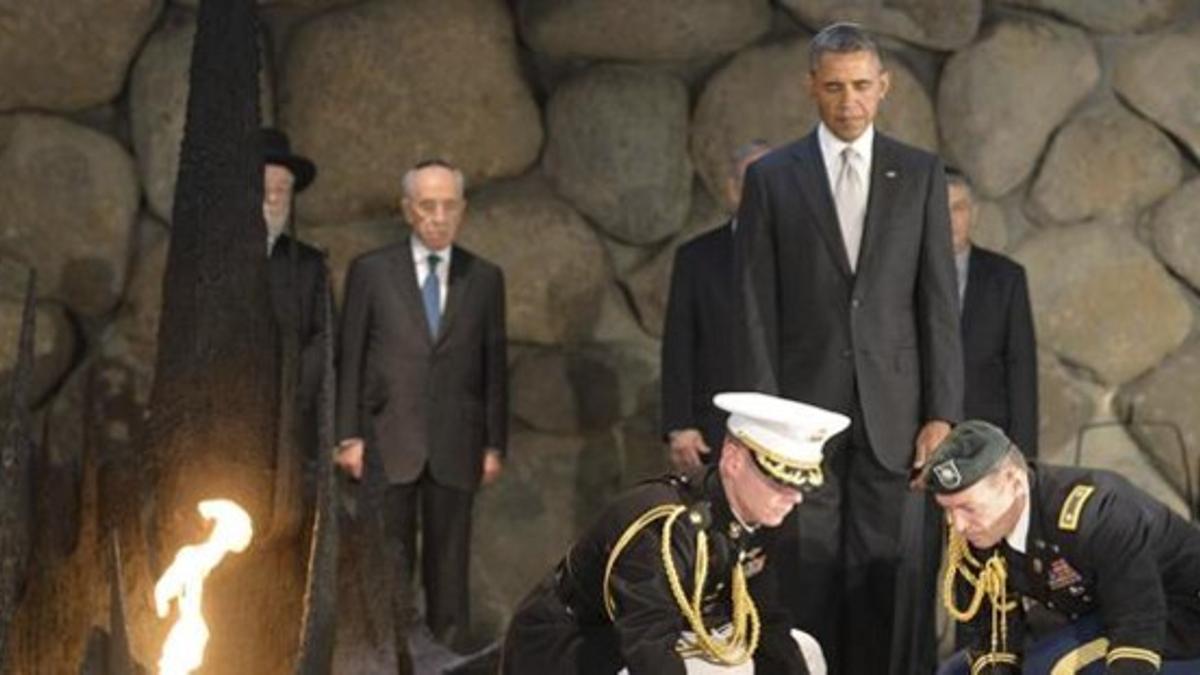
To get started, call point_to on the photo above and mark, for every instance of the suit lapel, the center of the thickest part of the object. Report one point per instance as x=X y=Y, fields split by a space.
x=814 y=183
x=885 y=176
x=459 y=279
x=410 y=291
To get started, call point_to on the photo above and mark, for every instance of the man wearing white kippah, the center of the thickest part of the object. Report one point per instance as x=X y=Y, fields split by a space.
x=669 y=579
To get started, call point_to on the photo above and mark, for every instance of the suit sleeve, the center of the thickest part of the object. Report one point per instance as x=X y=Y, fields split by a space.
x=356 y=317
x=1117 y=535
x=496 y=368
x=937 y=310
x=756 y=317
x=1021 y=370
x=312 y=350
x=677 y=349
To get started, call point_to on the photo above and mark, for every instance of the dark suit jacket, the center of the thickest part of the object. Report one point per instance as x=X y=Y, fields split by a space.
x=999 y=348
x=697 y=347
x=296 y=291
x=884 y=341
x=417 y=400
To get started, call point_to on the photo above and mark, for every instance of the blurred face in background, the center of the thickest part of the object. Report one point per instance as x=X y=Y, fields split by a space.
x=433 y=205
x=847 y=88
x=278 y=188
x=962 y=215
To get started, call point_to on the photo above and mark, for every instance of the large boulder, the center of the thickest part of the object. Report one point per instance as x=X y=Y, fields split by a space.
x=1168 y=395
x=582 y=388
x=68 y=203
x=1105 y=162
x=69 y=55
x=370 y=90
x=158 y=93
x=1113 y=309
x=650 y=285
x=1001 y=98
x=761 y=93
x=641 y=30
x=1111 y=447
x=552 y=487
x=1064 y=405
x=939 y=24
x=555 y=267
x=54 y=335
x=1145 y=63
x=1110 y=16
x=343 y=243
x=617 y=150
x=1176 y=229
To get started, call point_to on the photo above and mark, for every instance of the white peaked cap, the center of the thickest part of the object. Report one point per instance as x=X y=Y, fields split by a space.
x=788 y=432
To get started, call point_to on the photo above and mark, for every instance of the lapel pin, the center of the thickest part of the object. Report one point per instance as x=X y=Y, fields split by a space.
x=890 y=173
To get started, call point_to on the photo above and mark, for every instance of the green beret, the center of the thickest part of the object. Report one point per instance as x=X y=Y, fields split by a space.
x=968 y=453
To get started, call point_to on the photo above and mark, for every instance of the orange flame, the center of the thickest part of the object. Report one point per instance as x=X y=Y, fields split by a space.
x=183 y=650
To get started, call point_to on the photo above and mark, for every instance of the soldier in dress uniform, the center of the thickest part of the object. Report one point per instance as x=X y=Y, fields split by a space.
x=669 y=579
x=1061 y=569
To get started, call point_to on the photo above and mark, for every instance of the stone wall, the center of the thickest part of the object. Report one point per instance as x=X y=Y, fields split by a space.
x=595 y=134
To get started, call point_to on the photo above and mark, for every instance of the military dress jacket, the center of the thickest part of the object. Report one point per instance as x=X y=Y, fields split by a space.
x=1097 y=544
x=562 y=627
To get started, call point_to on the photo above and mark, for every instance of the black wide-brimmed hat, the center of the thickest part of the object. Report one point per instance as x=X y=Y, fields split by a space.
x=277 y=149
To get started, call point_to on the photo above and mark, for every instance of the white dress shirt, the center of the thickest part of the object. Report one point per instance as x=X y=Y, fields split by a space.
x=421 y=255
x=1017 y=538
x=831 y=152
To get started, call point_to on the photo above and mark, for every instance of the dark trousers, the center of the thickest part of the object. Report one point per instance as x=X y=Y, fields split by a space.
x=854 y=565
x=1042 y=655
x=444 y=516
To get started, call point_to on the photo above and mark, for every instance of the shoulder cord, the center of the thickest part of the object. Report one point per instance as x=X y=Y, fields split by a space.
x=740 y=645
x=991 y=581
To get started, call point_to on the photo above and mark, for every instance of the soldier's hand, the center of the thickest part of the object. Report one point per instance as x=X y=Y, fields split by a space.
x=349 y=457
x=492 y=464
x=930 y=436
x=685 y=447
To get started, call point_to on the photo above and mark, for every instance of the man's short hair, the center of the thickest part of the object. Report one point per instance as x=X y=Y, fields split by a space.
x=747 y=150
x=410 y=176
x=840 y=38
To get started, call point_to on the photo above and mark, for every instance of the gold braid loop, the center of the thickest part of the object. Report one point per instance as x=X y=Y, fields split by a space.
x=991 y=582
x=739 y=646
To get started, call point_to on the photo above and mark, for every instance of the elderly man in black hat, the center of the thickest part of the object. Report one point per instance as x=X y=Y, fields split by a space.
x=1061 y=569
x=299 y=279
x=669 y=579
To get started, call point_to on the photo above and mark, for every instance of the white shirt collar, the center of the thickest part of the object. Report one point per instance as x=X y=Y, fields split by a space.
x=832 y=146
x=1017 y=539
x=421 y=252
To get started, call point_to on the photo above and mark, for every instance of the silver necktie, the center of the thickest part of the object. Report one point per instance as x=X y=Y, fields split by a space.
x=850 y=197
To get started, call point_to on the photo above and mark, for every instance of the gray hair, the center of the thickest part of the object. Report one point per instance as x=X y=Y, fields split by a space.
x=410 y=176
x=747 y=150
x=840 y=38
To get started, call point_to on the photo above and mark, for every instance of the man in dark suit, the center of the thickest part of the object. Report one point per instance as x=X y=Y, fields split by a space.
x=999 y=349
x=299 y=281
x=697 y=348
x=843 y=255
x=423 y=383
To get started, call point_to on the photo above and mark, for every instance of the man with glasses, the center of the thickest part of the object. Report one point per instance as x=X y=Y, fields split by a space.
x=422 y=384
